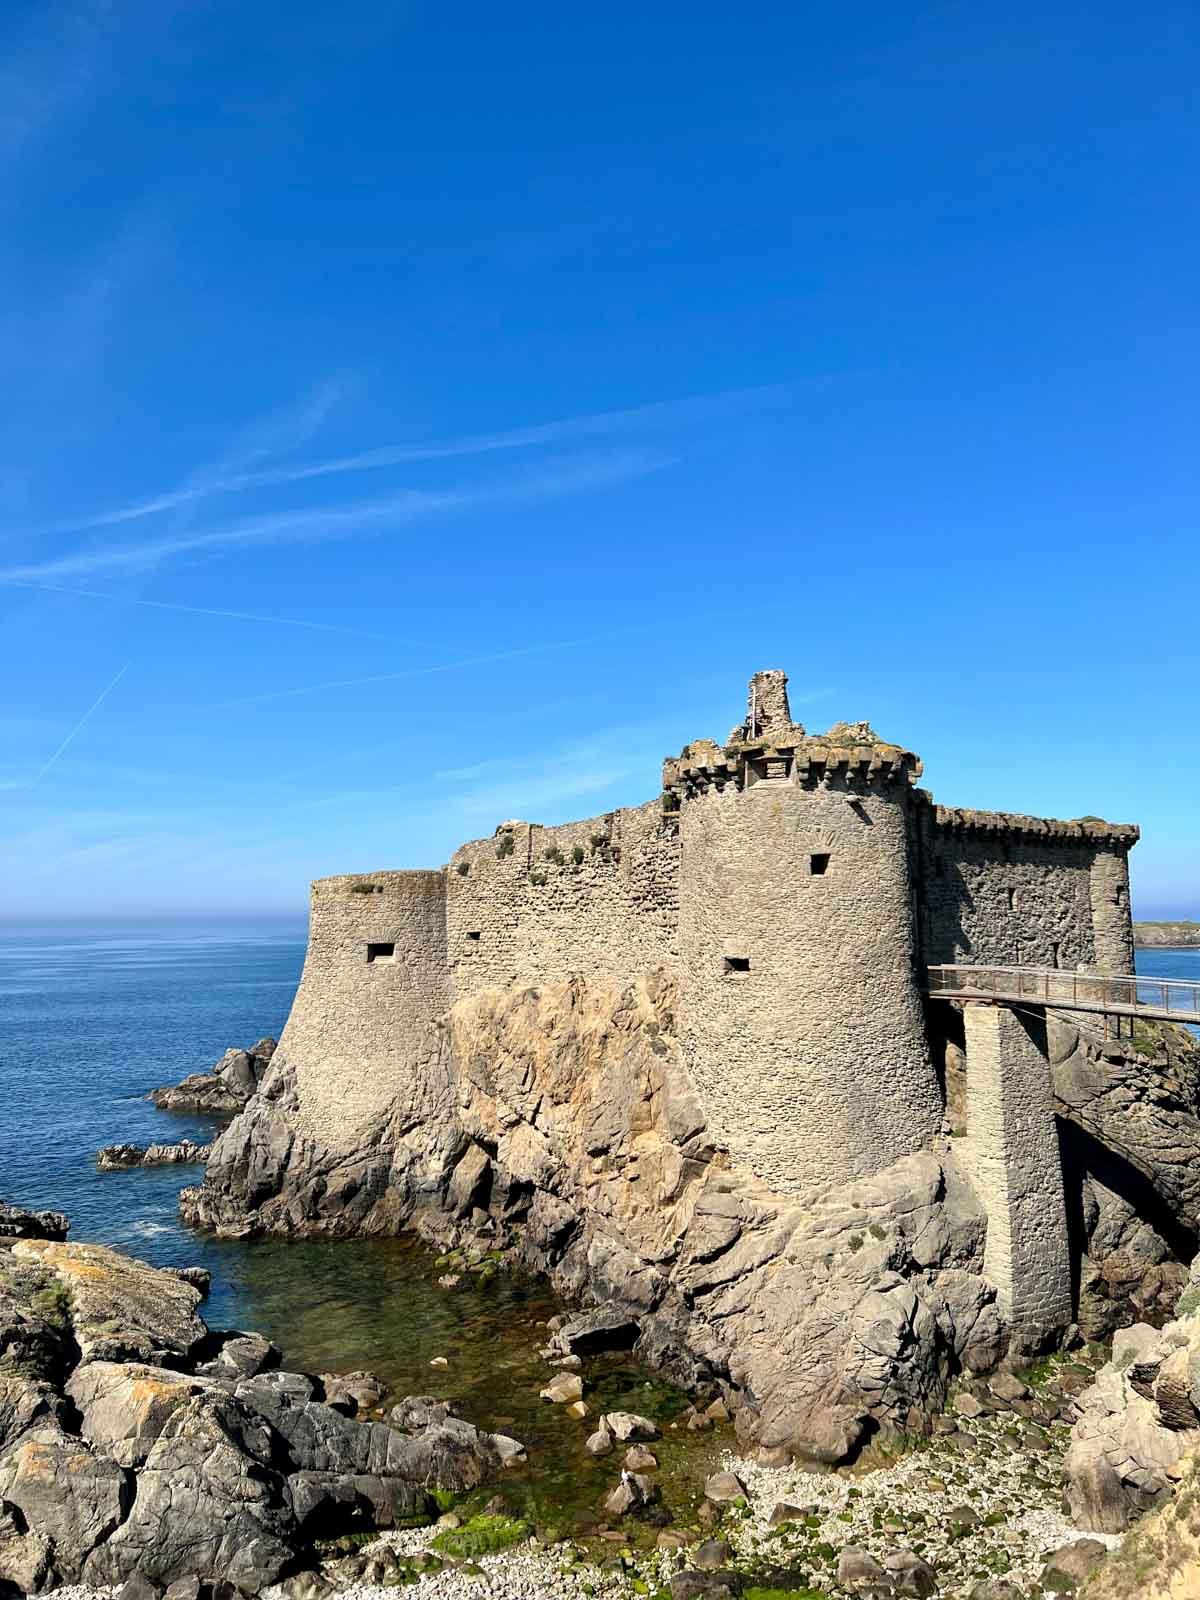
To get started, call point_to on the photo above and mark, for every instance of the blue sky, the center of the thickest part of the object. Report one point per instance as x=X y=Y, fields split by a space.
x=421 y=416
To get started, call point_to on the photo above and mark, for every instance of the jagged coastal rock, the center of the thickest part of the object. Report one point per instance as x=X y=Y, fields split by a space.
x=678 y=1058
x=223 y=1091
x=1139 y=1422
x=16 y=1223
x=120 y=1157
x=135 y=1441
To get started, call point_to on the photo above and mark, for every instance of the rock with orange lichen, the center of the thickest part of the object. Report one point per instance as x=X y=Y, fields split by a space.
x=120 y=1309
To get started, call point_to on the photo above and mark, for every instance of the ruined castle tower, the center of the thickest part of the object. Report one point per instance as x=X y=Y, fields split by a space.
x=802 y=1018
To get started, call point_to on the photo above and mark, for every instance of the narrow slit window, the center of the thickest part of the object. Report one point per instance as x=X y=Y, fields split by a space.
x=737 y=963
x=381 y=952
x=474 y=936
x=818 y=865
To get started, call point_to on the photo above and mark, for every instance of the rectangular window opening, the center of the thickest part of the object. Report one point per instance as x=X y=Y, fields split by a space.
x=381 y=952
x=818 y=865
x=737 y=963
x=474 y=936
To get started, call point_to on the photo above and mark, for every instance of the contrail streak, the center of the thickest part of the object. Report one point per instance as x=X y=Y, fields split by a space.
x=95 y=706
x=411 y=672
x=196 y=611
x=694 y=408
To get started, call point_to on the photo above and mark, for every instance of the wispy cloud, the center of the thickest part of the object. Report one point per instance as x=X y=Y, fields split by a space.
x=195 y=611
x=237 y=477
x=390 y=512
x=47 y=69
x=84 y=719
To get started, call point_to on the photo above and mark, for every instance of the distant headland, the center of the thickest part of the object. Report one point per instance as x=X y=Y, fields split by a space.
x=1166 y=935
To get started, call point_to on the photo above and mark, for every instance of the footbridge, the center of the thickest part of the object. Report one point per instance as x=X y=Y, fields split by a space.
x=1008 y=1141
x=1155 y=999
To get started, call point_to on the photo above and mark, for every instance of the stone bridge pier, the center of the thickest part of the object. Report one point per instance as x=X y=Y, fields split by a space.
x=1011 y=1149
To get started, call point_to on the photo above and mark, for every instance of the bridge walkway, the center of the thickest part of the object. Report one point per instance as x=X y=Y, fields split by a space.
x=1155 y=999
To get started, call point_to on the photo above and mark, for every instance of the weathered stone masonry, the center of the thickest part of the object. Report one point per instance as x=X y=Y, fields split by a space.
x=794 y=885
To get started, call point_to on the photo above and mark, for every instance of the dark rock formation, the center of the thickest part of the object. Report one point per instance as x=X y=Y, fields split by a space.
x=223 y=1091
x=16 y=1223
x=135 y=1443
x=119 y=1157
x=1130 y=1133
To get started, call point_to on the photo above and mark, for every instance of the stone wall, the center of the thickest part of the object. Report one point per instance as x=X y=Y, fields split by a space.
x=801 y=1017
x=363 y=1024
x=597 y=898
x=1020 y=891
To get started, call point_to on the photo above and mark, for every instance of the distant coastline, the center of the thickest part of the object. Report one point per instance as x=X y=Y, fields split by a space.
x=1166 y=935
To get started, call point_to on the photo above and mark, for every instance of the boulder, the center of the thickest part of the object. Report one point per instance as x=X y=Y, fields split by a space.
x=63 y=1488
x=1127 y=1449
x=691 y=1584
x=17 y=1223
x=565 y=1388
x=627 y=1425
x=208 y=1503
x=599 y=1443
x=124 y=1407
x=26 y=1404
x=353 y=1392
x=419 y=1411
x=200 y=1278
x=120 y=1157
x=1068 y=1566
x=26 y=1554
x=605 y=1328
x=238 y=1355
x=858 y=1570
x=711 y=1555
x=632 y=1492
x=120 y=1309
x=909 y=1574
x=723 y=1488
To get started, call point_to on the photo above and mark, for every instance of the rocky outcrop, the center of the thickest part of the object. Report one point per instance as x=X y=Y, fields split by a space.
x=1129 y=1114
x=1159 y=1559
x=1138 y=1422
x=561 y=1124
x=135 y=1441
x=120 y=1157
x=16 y=1223
x=1139 y=1100
x=225 y=1090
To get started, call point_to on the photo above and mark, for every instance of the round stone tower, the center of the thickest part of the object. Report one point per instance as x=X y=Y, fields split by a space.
x=801 y=1017
x=363 y=1025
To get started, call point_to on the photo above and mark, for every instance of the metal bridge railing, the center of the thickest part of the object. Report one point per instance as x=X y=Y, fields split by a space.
x=1170 y=999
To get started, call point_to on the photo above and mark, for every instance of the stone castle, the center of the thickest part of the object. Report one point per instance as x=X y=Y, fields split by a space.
x=687 y=1060
x=798 y=884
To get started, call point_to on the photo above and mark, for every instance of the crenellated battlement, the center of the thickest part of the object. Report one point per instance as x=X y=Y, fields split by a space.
x=957 y=819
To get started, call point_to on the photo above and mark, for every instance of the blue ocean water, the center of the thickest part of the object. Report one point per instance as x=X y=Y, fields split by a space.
x=91 y=1019
x=1184 y=964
